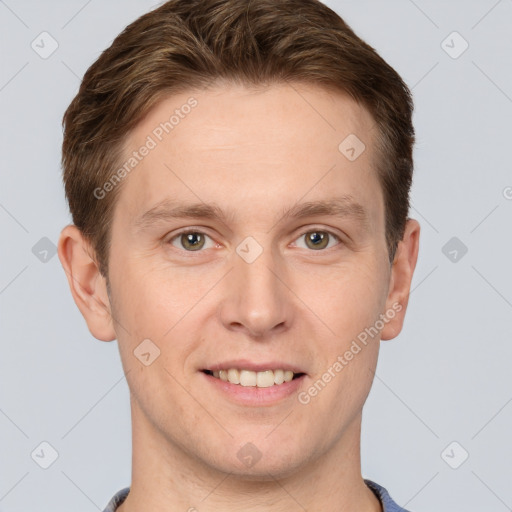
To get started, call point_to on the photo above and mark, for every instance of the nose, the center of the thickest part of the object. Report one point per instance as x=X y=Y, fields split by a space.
x=256 y=300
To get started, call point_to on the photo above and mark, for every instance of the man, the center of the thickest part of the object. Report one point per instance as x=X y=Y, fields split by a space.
x=238 y=175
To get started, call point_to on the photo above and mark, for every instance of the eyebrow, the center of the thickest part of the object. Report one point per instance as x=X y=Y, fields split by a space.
x=166 y=210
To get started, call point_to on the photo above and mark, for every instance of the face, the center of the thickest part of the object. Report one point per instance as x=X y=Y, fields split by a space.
x=248 y=239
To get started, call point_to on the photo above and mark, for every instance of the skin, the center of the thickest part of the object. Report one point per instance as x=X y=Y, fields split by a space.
x=254 y=153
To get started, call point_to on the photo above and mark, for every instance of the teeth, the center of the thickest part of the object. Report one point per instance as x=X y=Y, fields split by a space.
x=278 y=376
x=234 y=376
x=248 y=378
x=265 y=379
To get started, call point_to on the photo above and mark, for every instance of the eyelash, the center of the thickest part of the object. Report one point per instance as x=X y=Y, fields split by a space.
x=311 y=230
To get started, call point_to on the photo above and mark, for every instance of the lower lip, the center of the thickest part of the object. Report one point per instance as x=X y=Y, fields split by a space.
x=253 y=395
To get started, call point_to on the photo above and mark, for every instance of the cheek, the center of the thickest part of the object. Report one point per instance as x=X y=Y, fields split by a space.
x=150 y=300
x=160 y=305
x=347 y=298
x=349 y=305
x=356 y=298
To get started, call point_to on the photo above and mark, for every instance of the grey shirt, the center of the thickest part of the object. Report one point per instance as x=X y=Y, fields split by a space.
x=388 y=505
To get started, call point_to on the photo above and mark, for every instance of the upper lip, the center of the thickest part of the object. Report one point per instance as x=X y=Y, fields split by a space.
x=245 y=364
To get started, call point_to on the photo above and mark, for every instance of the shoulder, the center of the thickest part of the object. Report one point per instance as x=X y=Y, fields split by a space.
x=388 y=505
x=117 y=499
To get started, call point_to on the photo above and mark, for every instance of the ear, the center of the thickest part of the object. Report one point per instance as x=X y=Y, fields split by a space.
x=400 y=280
x=88 y=286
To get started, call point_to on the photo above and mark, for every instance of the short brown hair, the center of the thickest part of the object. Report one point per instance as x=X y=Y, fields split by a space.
x=187 y=44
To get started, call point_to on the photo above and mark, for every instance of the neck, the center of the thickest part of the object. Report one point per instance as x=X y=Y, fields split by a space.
x=165 y=478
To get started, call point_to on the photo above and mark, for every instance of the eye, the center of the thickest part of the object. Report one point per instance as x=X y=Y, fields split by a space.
x=190 y=240
x=193 y=240
x=318 y=239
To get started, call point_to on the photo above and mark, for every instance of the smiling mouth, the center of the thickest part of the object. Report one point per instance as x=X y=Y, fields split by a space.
x=248 y=378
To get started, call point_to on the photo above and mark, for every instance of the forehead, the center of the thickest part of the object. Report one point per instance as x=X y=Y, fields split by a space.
x=252 y=148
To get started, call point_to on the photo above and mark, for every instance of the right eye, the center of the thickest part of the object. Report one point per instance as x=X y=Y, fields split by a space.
x=189 y=240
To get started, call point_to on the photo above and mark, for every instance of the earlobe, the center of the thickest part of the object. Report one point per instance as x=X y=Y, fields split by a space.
x=400 y=280
x=88 y=287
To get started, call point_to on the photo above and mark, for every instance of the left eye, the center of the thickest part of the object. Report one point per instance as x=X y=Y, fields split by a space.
x=318 y=239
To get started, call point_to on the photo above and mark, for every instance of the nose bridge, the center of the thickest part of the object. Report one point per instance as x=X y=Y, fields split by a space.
x=256 y=298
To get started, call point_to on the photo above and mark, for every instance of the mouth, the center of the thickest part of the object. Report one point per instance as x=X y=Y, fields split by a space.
x=260 y=379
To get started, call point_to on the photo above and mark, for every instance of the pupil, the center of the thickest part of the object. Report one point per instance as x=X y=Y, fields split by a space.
x=317 y=238
x=193 y=240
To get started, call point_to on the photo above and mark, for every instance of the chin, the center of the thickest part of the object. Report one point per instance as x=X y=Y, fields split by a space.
x=259 y=460
x=261 y=471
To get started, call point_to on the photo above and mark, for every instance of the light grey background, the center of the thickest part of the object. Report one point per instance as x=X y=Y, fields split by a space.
x=445 y=378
